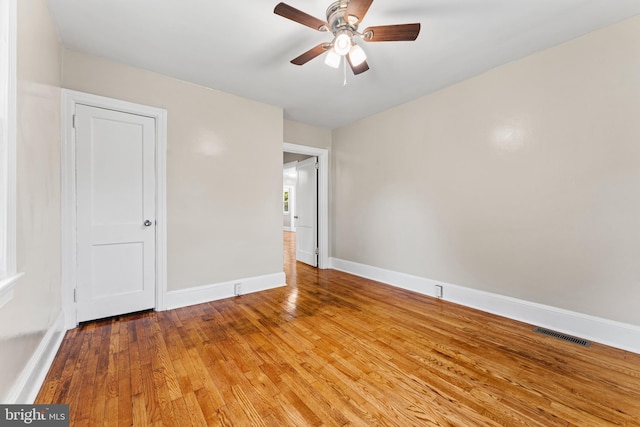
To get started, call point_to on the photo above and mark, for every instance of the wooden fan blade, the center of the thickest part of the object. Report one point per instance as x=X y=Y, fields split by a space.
x=310 y=54
x=300 y=17
x=358 y=8
x=359 y=68
x=391 y=33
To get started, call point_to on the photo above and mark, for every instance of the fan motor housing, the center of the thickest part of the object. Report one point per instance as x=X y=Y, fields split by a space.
x=337 y=18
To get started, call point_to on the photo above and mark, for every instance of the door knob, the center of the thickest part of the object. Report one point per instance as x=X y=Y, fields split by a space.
x=147 y=223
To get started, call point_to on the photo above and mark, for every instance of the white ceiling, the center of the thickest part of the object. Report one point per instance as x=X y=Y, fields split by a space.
x=242 y=47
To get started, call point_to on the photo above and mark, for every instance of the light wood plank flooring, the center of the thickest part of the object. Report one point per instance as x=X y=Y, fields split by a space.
x=334 y=349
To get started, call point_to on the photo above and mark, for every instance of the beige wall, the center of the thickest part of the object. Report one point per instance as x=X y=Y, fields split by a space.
x=523 y=181
x=304 y=134
x=36 y=302
x=224 y=171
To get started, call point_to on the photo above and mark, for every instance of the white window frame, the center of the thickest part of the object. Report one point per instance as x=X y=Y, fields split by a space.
x=8 y=273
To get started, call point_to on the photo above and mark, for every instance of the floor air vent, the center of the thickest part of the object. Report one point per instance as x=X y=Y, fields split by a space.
x=563 y=337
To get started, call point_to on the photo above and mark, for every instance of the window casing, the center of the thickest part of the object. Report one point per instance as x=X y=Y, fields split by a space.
x=8 y=273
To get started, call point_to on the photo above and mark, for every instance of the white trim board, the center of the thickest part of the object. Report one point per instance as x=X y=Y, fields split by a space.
x=67 y=168
x=323 y=197
x=615 y=334
x=8 y=143
x=216 y=291
x=6 y=288
x=30 y=380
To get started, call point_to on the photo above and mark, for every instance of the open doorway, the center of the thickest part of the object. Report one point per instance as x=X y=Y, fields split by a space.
x=298 y=158
x=300 y=205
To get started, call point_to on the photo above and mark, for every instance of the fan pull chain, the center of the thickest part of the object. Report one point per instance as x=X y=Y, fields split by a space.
x=344 y=70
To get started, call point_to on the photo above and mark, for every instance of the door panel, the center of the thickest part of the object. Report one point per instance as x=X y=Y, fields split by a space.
x=116 y=196
x=127 y=278
x=307 y=212
x=115 y=172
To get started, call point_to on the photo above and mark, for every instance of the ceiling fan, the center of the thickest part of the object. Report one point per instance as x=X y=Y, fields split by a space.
x=343 y=18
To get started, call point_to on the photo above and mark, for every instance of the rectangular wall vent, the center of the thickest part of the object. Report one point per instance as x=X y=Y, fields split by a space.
x=564 y=337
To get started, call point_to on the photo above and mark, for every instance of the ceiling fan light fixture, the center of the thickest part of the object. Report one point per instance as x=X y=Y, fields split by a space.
x=342 y=43
x=357 y=55
x=343 y=19
x=332 y=59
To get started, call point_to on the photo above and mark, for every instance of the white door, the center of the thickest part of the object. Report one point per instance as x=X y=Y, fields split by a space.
x=307 y=212
x=115 y=173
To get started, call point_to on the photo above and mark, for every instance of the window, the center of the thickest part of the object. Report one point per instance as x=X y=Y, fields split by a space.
x=8 y=274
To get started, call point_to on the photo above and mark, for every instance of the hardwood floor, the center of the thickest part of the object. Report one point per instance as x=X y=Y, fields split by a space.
x=334 y=349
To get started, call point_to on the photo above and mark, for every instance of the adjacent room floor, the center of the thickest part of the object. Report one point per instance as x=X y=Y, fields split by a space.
x=335 y=349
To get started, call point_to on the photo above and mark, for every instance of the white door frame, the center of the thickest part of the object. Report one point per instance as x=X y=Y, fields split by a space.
x=68 y=198
x=323 y=197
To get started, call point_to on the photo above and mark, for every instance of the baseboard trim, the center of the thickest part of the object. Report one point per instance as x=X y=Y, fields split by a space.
x=609 y=332
x=32 y=377
x=216 y=291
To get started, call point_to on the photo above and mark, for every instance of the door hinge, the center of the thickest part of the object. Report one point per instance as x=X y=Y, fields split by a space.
x=317 y=251
x=73 y=121
x=317 y=165
x=75 y=294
